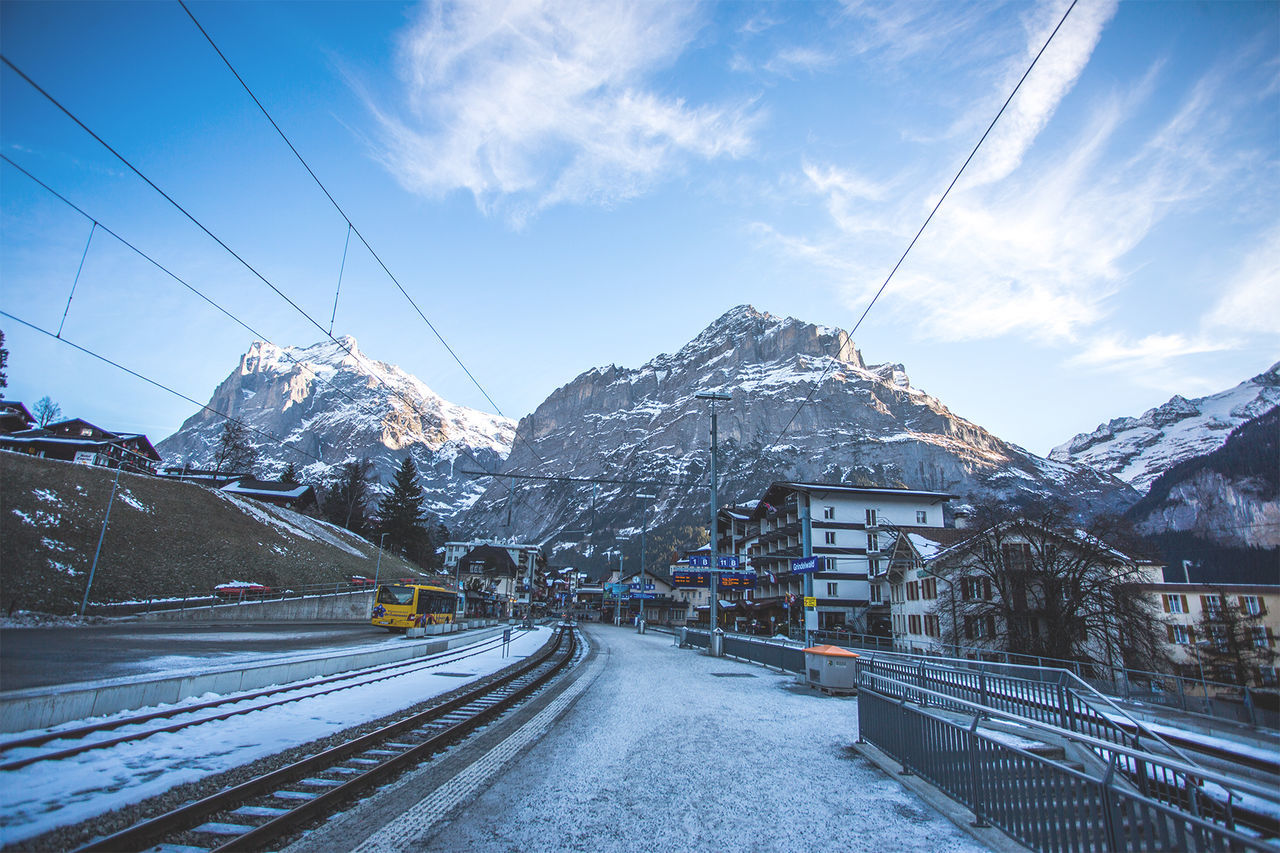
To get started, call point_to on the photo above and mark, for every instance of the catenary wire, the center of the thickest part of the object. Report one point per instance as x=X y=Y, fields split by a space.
x=928 y=219
x=270 y=437
x=412 y=406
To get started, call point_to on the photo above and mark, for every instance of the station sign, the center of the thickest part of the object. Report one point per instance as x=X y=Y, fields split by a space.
x=684 y=577
x=647 y=586
x=726 y=580
x=704 y=561
x=737 y=580
x=804 y=565
x=635 y=595
x=810 y=601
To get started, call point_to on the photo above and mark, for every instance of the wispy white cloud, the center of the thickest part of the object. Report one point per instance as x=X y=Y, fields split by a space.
x=1250 y=301
x=527 y=103
x=1152 y=353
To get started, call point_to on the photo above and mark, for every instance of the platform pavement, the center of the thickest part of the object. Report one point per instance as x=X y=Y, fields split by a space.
x=656 y=748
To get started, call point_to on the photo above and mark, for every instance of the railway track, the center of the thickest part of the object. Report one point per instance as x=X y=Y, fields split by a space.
x=252 y=815
x=15 y=754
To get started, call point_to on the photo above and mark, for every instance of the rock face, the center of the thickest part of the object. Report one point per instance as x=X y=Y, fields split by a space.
x=865 y=424
x=1230 y=496
x=336 y=404
x=1138 y=450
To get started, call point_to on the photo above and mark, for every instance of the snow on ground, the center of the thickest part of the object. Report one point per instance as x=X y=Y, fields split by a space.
x=671 y=750
x=41 y=797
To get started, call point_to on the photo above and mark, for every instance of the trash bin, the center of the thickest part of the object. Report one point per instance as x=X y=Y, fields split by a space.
x=641 y=626
x=717 y=644
x=831 y=669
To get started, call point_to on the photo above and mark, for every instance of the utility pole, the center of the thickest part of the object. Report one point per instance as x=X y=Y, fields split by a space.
x=643 y=522
x=617 y=590
x=102 y=535
x=715 y=556
x=806 y=545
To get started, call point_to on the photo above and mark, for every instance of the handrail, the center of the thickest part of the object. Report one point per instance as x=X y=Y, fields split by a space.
x=1138 y=725
x=1233 y=786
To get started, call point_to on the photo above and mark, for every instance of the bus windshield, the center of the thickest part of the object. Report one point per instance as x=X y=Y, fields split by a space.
x=395 y=595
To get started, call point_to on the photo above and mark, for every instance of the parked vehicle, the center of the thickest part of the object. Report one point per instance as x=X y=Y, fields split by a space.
x=240 y=590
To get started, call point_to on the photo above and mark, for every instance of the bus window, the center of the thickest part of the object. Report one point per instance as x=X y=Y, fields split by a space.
x=395 y=594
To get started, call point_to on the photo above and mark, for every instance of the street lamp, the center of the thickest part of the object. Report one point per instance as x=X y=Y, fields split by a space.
x=715 y=556
x=643 y=523
x=115 y=484
x=377 y=567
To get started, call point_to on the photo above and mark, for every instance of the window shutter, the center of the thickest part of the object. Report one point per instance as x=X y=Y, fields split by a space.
x=1170 y=629
x=1185 y=608
x=1204 y=603
x=1164 y=599
x=1244 y=608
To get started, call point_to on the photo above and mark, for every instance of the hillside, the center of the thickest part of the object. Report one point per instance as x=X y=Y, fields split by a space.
x=165 y=538
x=1230 y=496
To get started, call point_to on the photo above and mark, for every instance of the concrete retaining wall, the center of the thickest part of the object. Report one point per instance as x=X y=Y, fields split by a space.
x=339 y=607
x=38 y=708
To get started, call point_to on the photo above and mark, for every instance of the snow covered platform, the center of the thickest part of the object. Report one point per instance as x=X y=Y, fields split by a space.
x=657 y=748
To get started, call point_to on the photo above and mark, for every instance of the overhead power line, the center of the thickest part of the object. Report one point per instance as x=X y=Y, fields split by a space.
x=928 y=219
x=609 y=480
x=342 y=345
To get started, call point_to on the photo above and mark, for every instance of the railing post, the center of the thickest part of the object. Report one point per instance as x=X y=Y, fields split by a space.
x=975 y=778
x=902 y=709
x=924 y=699
x=982 y=688
x=1110 y=820
x=1248 y=706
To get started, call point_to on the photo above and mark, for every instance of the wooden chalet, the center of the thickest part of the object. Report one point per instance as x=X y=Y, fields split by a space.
x=78 y=440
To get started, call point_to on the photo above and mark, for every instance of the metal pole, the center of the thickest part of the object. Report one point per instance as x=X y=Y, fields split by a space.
x=806 y=545
x=617 y=590
x=377 y=566
x=102 y=535
x=715 y=556
x=643 y=524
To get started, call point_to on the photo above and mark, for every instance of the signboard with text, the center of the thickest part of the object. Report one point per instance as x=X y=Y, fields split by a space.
x=727 y=580
x=803 y=565
x=704 y=561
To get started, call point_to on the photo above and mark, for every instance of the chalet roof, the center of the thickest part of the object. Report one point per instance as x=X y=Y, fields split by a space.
x=494 y=558
x=966 y=542
x=13 y=412
x=253 y=487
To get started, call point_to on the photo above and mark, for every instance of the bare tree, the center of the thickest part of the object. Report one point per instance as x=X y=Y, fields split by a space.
x=233 y=453
x=1032 y=582
x=1232 y=638
x=46 y=411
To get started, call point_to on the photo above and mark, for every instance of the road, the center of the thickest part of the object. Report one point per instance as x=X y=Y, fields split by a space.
x=41 y=657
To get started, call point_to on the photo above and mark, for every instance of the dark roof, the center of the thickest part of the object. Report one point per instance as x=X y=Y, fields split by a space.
x=493 y=558
x=13 y=412
x=252 y=487
x=778 y=491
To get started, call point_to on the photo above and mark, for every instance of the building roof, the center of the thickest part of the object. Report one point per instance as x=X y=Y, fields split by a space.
x=493 y=557
x=253 y=487
x=778 y=490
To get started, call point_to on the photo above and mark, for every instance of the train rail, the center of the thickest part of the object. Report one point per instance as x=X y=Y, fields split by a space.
x=245 y=703
x=252 y=815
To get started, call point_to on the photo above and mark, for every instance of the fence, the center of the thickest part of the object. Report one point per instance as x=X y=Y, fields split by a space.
x=1215 y=699
x=1050 y=806
x=754 y=649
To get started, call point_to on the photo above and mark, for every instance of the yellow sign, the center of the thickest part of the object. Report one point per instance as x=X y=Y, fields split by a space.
x=810 y=601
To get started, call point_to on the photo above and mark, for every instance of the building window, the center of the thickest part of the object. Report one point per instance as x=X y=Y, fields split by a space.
x=1251 y=605
x=1178 y=634
x=873 y=542
x=1260 y=638
x=914 y=622
x=1267 y=676
x=875 y=593
x=828 y=512
x=871 y=518
x=929 y=588
x=1211 y=604
x=932 y=627
x=873 y=566
x=831 y=537
x=1174 y=603
x=922 y=517
x=832 y=589
x=913 y=590
x=973 y=589
x=1017 y=556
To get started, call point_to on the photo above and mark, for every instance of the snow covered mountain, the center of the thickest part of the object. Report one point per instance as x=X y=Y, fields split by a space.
x=865 y=424
x=335 y=404
x=1138 y=450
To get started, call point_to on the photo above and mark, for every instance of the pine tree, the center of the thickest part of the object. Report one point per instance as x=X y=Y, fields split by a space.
x=348 y=496
x=290 y=474
x=400 y=515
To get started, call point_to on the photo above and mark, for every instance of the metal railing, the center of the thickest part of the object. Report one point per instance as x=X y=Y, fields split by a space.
x=1215 y=699
x=191 y=602
x=1140 y=802
x=753 y=649
x=1053 y=697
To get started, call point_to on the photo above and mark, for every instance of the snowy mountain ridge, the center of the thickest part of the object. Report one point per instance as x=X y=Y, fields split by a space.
x=864 y=424
x=1138 y=450
x=335 y=404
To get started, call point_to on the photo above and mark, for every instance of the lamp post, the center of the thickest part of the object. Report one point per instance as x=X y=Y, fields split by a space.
x=643 y=522
x=713 y=398
x=377 y=566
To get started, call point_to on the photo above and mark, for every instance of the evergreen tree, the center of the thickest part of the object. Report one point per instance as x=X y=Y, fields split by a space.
x=400 y=515
x=233 y=453
x=290 y=474
x=348 y=496
x=4 y=362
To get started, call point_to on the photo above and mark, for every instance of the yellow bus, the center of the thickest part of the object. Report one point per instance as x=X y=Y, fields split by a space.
x=398 y=606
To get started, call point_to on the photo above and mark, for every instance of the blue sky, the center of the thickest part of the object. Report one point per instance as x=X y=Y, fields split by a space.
x=566 y=185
